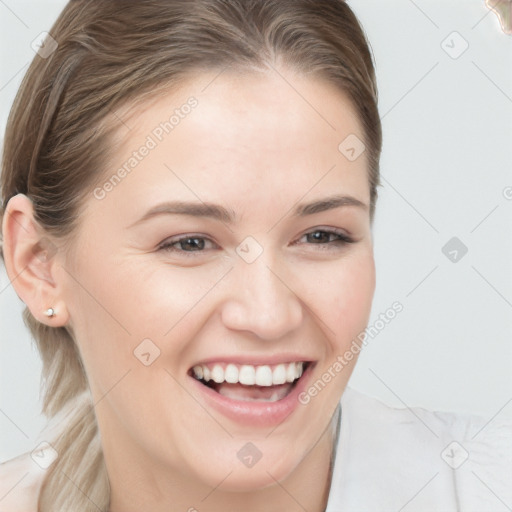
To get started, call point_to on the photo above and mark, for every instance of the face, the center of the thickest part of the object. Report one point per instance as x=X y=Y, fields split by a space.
x=248 y=273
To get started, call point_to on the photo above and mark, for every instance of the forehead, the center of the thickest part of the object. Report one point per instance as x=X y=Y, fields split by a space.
x=221 y=134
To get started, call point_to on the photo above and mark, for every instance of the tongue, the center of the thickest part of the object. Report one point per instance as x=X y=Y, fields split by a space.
x=253 y=393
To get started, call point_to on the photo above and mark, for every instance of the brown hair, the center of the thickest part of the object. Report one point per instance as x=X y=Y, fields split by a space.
x=114 y=52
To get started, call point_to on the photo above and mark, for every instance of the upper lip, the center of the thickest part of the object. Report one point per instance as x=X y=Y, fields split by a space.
x=256 y=360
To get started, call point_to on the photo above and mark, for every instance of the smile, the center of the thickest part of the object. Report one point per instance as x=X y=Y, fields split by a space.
x=256 y=394
x=249 y=375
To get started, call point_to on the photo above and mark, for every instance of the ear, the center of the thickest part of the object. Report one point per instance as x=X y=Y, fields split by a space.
x=30 y=261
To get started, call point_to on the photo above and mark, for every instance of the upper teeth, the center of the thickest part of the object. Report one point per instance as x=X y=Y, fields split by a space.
x=249 y=375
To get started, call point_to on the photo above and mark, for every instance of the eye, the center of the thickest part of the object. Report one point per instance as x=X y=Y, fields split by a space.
x=186 y=244
x=190 y=244
x=324 y=237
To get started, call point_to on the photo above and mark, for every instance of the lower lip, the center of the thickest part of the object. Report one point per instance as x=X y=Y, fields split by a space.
x=264 y=414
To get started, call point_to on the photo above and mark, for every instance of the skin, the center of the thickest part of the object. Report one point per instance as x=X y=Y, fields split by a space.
x=251 y=139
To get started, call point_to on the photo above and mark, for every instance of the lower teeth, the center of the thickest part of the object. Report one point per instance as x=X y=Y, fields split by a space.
x=274 y=397
x=240 y=392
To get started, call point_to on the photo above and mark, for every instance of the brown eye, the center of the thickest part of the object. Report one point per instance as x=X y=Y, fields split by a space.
x=327 y=237
x=185 y=244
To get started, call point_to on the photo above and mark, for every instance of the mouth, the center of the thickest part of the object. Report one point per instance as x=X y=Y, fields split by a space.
x=251 y=383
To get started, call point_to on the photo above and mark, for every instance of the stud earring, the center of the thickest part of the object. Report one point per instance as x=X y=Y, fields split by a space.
x=50 y=312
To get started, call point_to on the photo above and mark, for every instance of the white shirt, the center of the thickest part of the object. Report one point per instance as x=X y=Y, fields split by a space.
x=386 y=460
x=414 y=460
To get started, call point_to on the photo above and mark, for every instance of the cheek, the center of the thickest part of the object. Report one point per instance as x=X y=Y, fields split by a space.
x=345 y=296
x=125 y=304
x=105 y=309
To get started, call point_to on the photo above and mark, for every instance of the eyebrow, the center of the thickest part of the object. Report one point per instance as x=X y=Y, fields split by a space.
x=218 y=212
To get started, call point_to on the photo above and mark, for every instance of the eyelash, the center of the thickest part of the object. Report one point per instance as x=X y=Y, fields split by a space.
x=342 y=240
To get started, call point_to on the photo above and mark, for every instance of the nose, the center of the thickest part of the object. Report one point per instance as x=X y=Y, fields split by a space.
x=262 y=300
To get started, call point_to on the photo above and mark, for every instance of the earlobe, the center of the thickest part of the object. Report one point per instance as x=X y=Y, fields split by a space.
x=30 y=262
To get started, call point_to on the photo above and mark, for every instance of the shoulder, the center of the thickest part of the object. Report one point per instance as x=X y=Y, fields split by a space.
x=20 y=483
x=436 y=427
x=443 y=459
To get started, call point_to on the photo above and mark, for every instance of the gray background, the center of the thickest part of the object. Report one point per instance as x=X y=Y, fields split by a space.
x=446 y=167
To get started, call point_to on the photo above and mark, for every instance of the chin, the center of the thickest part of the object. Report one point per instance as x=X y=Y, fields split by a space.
x=239 y=475
x=247 y=480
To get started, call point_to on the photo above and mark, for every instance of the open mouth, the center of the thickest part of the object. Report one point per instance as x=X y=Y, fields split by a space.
x=265 y=383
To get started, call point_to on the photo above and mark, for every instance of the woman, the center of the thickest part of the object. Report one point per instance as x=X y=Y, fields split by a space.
x=188 y=191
